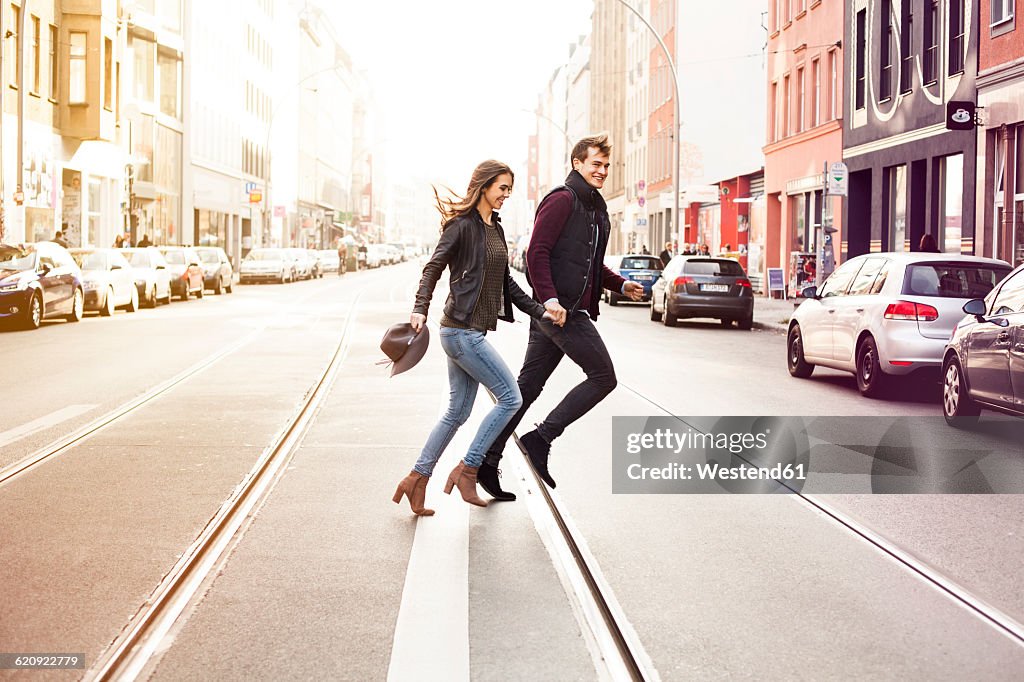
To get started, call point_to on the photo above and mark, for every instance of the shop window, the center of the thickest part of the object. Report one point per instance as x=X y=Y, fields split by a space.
x=951 y=195
x=897 y=208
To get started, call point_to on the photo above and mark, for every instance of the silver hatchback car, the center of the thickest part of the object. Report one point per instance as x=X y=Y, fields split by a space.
x=886 y=314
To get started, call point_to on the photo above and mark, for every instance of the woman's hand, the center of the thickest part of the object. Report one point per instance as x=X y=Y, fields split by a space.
x=417 y=321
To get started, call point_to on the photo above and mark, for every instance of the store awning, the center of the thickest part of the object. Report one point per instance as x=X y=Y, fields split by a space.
x=96 y=157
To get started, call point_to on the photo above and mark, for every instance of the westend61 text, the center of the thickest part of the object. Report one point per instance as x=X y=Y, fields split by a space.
x=716 y=472
x=669 y=439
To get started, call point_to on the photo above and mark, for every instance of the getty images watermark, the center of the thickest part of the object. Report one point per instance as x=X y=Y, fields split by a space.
x=819 y=455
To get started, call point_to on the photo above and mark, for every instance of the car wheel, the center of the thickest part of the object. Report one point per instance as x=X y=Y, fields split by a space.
x=726 y=322
x=133 y=305
x=34 y=312
x=151 y=301
x=201 y=292
x=77 y=307
x=798 y=366
x=230 y=288
x=655 y=315
x=170 y=295
x=185 y=293
x=108 y=304
x=871 y=380
x=669 y=320
x=957 y=406
x=747 y=322
x=613 y=298
x=218 y=288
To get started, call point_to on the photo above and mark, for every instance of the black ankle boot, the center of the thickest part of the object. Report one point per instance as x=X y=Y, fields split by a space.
x=488 y=479
x=537 y=451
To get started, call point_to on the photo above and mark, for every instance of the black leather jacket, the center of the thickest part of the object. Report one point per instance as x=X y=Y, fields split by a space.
x=462 y=248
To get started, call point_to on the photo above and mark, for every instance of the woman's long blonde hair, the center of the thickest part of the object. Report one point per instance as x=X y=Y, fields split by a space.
x=484 y=176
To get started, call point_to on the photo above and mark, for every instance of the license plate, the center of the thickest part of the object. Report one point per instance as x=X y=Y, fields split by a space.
x=642 y=278
x=714 y=287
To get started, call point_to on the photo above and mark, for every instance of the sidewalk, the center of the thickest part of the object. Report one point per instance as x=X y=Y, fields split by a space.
x=774 y=314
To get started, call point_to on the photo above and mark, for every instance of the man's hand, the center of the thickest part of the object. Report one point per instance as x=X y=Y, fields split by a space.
x=634 y=291
x=555 y=312
x=417 y=321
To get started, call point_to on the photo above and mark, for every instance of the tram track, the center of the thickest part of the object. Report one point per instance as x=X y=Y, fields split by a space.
x=142 y=639
x=946 y=585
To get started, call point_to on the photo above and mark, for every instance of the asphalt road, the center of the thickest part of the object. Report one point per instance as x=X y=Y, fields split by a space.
x=760 y=587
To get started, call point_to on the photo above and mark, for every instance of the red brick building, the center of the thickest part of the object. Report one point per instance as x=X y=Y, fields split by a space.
x=1000 y=190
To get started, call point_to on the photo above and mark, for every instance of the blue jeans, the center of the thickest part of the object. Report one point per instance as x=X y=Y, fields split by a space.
x=471 y=361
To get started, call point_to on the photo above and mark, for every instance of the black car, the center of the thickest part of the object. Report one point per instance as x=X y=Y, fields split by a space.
x=696 y=286
x=39 y=281
x=983 y=366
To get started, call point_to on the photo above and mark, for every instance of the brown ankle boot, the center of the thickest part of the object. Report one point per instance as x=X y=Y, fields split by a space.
x=465 y=478
x=414 y=486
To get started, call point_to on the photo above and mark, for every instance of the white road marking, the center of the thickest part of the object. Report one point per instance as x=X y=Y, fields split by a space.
x=432 y=633
x=27 y=429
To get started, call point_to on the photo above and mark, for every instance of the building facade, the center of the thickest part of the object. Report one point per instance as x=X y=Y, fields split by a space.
x=999 y=214
x=803 y=126
x=636 y=227
x=909 y=175
x=608 y=101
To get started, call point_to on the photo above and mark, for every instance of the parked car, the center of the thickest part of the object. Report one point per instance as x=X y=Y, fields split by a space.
x=698 y=286
x=302 y=264
x=108 y=280
x=186 y=274
x=376 y=256
x=329 y=260
x=39 y=281
x=411 y=251
x=983 y=364
x=883 y=315
x=267 y=265
x=397 y=251
x=316 y=267
x=218 y=275
x=639 y=268
x=152 y=277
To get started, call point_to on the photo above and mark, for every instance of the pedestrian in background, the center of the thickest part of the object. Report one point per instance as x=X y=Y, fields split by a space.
x=145 y=242
x=565 y=264
x=119 y=241
x=928 y=244
x=705 y=250
x=666 y=254
x=473 y=248
x=58 y=238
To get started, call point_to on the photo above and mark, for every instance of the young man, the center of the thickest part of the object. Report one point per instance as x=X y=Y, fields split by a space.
x=565 y=267
x=666 y=254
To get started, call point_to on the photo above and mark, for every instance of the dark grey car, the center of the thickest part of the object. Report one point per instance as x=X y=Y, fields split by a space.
x=983 y=366
x=695 y=286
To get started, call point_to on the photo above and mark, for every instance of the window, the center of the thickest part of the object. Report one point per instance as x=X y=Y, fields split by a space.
x=786 y=128
x=930 y=63
x=35 y=55
x=777 y=18
x=897 y=209
x=833 y=84
x=951 y=188
x=862 y=284
x=800 y=100
x=1002 y=10
x=860 y=85
x=907 y=47
x=888 y=47
x=143 y=60
x=839 y=281
x=76 y=67
x=54 y=81
x=169 y=85
x=108 y=73
x=816 y=85
x=773 y=130
x=1010 y=298
x=15 y=45
x=956 y=37
x=876 y=286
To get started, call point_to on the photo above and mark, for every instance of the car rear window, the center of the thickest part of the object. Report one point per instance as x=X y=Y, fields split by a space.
x=641 y=264
x=176 y=257
x=264 y=254
x=723 y=267
x=209 y=257
x=952 y=280
x=139 y=259
x=90 y=260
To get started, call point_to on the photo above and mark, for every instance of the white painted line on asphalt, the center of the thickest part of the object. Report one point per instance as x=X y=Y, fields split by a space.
x=432 y=633
x=28 y=428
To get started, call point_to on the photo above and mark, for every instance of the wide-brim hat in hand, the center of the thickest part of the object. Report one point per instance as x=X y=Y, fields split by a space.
x=404 y=346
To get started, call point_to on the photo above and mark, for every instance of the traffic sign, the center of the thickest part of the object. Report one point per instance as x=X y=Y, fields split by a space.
x=250 y=187
x=255 y=197
x=837 y=180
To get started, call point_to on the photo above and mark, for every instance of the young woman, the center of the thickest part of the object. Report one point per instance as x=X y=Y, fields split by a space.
x=472 y=246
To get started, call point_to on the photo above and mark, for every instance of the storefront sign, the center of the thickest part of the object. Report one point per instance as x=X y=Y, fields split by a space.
x=776 y=280
x=960 y=115
x=837 y=182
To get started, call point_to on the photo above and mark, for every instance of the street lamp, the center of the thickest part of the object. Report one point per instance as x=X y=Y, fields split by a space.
x=675 y=114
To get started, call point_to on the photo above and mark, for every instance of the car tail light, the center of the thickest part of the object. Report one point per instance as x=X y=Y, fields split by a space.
x=743 y=282
x=900 y=363
x=682 y=281
x=908 y=310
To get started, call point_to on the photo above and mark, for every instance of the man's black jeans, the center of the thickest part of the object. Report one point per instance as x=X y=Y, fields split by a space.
x=578 y=340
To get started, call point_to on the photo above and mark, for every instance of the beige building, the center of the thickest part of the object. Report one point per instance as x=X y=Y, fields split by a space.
x=608 y=81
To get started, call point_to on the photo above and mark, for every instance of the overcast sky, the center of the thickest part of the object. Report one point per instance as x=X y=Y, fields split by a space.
x=451 y=77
